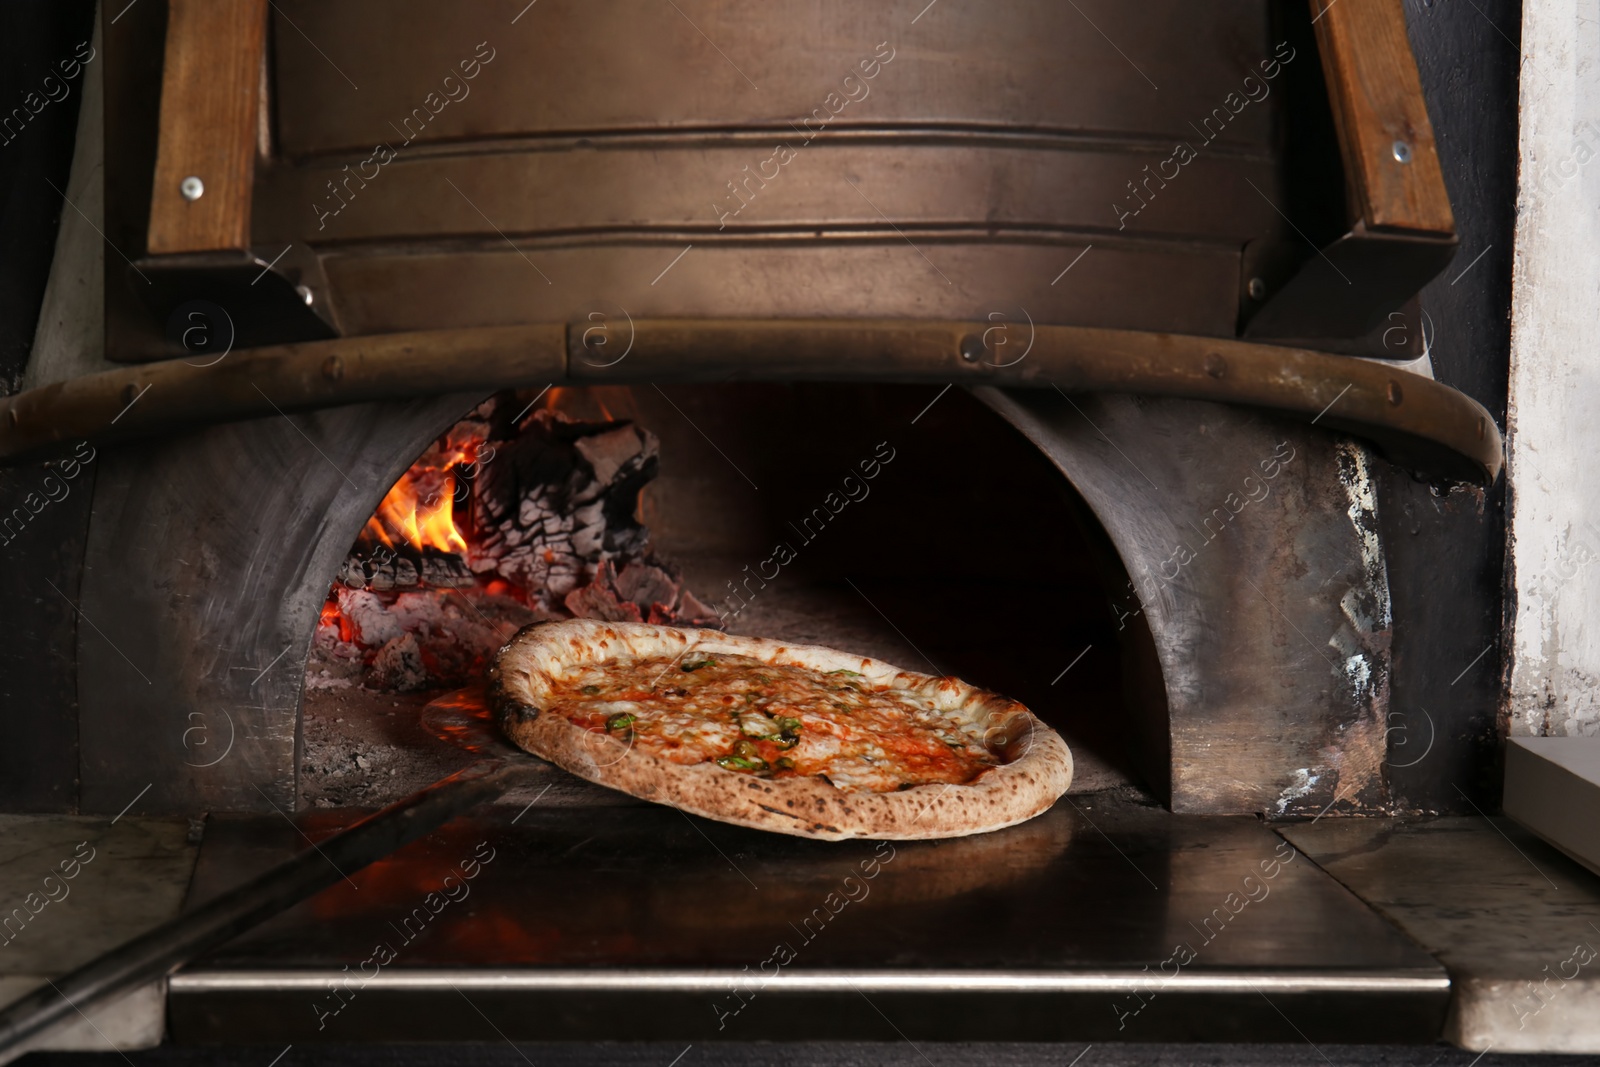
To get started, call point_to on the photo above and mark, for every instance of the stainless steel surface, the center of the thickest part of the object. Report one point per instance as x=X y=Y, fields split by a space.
x=1552 y=787
x=636 y=921
x=1112 y=982
x=1512 y=919
x=152 y=954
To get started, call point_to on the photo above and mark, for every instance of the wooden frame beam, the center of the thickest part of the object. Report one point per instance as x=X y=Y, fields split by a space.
x=210 y=117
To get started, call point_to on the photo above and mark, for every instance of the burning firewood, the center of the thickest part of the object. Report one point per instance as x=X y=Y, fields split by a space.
x=498 y=525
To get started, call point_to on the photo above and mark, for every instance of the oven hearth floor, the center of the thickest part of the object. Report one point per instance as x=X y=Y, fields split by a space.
x=634 y=921
x=366 y=748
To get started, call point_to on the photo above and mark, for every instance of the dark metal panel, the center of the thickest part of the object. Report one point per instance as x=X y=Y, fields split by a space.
x=134 y=45
x=1348 y=288
x=631 y=922
x=873 y=275
x=680 y=183
x=1250 y=547
x=39 y=44
x=607 y=65
x=43 y=515
x=209 y=559
x=214 y=302
x=44 y=523
x=1446 y=548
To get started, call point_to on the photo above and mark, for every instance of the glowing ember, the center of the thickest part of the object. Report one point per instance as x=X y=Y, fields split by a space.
x=332 y=616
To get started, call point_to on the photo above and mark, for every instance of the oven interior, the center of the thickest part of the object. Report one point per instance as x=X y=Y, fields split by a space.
x=975 y=558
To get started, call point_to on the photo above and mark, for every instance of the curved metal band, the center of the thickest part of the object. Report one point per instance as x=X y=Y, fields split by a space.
x=1416 y=421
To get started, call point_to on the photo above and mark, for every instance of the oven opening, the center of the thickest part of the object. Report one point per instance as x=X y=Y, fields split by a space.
x=897 y=522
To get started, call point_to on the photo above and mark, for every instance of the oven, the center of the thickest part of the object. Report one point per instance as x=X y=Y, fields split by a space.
x=1065 y=349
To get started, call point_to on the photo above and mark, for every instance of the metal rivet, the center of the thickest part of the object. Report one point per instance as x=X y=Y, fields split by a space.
x=333 y=368
x=972 y=348
x=1394 y=392
x=1402 y=152
x=1257 y=289
x=305 y=294
x=1215 y=365
x=192 y=188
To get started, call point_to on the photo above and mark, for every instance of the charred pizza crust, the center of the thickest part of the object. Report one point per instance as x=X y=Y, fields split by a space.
x=1034 y=768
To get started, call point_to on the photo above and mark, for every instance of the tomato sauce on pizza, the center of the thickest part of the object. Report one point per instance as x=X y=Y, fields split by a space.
x=773 y=721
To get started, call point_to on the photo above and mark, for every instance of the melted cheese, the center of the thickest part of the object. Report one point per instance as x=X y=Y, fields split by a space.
x=750 y=717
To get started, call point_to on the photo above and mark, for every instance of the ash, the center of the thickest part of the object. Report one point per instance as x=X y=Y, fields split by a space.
x=365 y=749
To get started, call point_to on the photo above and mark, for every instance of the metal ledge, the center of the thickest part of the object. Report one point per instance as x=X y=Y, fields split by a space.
x=630 y=922
x=714 y=983
x=1417 y=422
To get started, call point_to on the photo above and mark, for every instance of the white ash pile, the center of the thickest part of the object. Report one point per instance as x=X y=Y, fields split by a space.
x=423 y=639
x=517 y=523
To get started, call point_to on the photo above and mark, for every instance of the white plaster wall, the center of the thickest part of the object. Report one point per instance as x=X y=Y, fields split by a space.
x=1554 y=418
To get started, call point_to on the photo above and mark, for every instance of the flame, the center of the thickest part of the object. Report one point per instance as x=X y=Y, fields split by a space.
x=420 y=508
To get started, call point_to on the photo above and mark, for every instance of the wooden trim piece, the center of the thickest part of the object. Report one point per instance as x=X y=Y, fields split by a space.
x=1416 y=420
x=210 y=112
x=1377 y=102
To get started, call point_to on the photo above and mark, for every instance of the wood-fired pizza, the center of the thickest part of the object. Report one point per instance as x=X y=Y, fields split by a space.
x=797 y=739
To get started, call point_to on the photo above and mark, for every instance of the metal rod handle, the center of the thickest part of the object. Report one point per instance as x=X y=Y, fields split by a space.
x=220 y=920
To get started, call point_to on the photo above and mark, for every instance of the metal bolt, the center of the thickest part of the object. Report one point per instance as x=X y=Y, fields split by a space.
x=1215 y=365
x=305 y=294
x=1402 y=152
x=1257 y=288
x=972 y=348
x=192 y=188
x=333 y=368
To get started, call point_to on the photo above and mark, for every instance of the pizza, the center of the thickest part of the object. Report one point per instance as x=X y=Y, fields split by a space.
x=798 y=739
